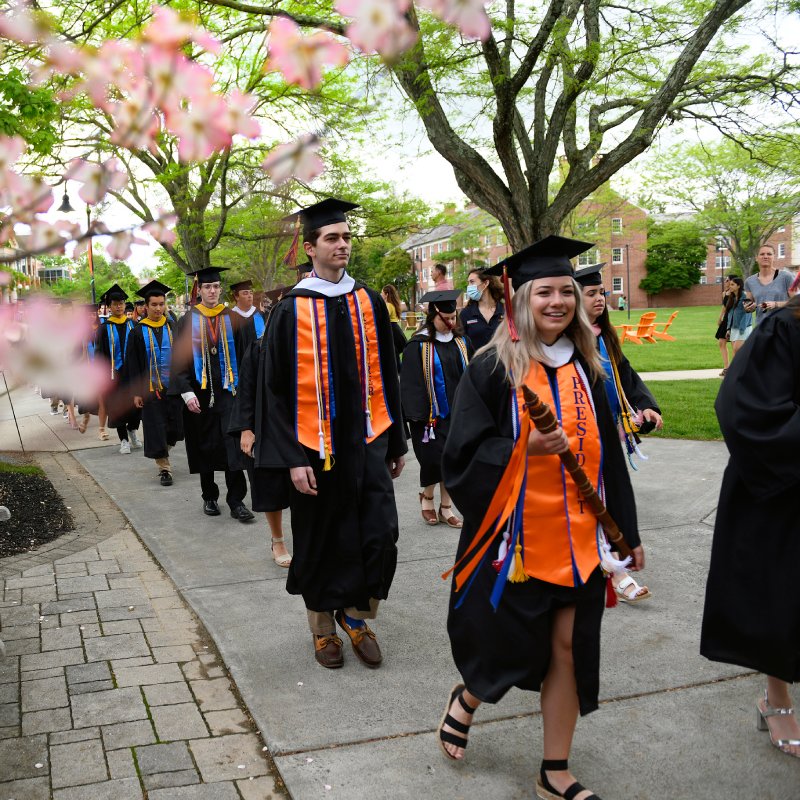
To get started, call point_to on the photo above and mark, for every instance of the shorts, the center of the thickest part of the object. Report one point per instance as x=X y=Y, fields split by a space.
x=740 y=336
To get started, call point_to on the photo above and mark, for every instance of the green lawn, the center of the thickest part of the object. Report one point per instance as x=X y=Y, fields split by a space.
x=694 y=347
x=687 y=408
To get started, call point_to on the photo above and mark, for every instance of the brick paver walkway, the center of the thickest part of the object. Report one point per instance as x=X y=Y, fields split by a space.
x=110 y=688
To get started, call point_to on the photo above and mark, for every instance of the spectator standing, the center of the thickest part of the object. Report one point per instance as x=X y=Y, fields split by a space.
x=740 y=321
x=485 y=308
x=441 y=283
x=722 y=325
x=767 y=290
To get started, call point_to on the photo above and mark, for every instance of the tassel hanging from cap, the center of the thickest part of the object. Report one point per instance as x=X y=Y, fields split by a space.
x=512 y=328
x=195 y=289
x=290 y=259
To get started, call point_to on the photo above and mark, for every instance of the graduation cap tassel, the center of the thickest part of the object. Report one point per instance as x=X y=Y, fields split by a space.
x=195 y=287
x=512 y=328
x=290 y=259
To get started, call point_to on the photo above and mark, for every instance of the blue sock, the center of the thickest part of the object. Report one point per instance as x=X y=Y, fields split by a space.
x=353 y=623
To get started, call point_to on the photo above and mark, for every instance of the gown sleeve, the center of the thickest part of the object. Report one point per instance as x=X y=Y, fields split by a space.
x=279 y=377
x=480 y=439
x=243 y=414
x=416 y=405
x=758 y=406
x=635 y=390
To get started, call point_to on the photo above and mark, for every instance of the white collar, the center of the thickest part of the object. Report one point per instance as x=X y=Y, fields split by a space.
x=444 y=337
x=344 y=285
x=559 y=353
x=245 y=314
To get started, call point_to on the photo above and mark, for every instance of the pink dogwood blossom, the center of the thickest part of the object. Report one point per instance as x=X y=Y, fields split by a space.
x=301 y=59
x=19 y=24
x=97 y=179
x=469 y=16
x=120 y=246
x=46 y=350
x=299 y=159
x=379 y=26
x=162 y=229
x=169 y=30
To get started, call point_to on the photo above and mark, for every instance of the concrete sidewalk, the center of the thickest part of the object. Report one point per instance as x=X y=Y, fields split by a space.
x=110 y=688
x=672 y=725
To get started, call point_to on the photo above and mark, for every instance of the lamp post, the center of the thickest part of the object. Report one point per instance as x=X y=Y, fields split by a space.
x=66 y=208
x=628 y=279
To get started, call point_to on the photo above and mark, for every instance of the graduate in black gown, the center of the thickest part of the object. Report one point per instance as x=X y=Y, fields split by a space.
x=205 y=374
x=528 y=594
x=147 y=373
x=247 y=320
x=752 y=607
x=335 y=423
x=632 y=403
x=112 y=345
x=433 y=362
x=269 y=488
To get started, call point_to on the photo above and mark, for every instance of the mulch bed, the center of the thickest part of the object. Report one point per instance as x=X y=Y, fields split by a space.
x=38 y=513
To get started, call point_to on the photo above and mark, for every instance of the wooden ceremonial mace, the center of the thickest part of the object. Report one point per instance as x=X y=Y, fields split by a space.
x=545 y=421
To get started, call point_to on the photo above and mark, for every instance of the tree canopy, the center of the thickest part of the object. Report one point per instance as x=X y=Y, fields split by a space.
x=591 y=82
x=675 y=252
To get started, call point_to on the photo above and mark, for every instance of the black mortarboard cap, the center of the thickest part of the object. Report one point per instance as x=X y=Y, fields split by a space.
x=327 y=212
x=547 y=258
x=444 y=301
x=115 y=292
x=237 y=287
x=153 y=289
x=304 y=268
x=590 y=276
x=274 y=294
x=209 y=274
x=129 y=306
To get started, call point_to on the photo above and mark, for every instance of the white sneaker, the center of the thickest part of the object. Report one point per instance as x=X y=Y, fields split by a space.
x=125 y=447
x=134 y=440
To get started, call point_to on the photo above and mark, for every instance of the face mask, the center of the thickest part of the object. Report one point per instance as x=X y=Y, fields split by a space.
x=473 y=292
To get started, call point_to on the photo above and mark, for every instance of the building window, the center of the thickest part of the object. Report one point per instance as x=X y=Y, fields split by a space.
x=703 y=280
x=616 y=225
x=782 y=229
x=616 y=255
x=721 y=244
x=782 y=250
x=424 y=274
x=722 y=262
x=616 y=285
x=718 y=279
x=589 y=257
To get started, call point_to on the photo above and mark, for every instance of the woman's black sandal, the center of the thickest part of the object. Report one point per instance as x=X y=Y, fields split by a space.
x=446 y=736
x=545 y=790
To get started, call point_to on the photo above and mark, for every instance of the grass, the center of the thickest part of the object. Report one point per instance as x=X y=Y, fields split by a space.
x=694 y=347
x=687 y=408
x=20 y=469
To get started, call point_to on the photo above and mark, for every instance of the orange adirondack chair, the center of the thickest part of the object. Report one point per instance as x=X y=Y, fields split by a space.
x=643 y=330
x=662 y=334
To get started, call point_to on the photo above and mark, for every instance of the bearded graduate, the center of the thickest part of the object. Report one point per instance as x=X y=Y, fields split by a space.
x=205 y=374
x=335 y=424
x=433 y=362
x=148 y=366
x=112 y=344
x=529 y=586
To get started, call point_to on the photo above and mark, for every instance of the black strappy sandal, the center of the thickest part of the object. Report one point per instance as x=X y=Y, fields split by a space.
x=545 y=790
x=451 y=738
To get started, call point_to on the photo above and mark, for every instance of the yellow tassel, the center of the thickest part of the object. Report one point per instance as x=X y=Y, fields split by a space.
x=327 y=467
x=517 y=574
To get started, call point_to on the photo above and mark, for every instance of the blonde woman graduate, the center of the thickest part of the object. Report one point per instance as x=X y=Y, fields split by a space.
x=530 y=579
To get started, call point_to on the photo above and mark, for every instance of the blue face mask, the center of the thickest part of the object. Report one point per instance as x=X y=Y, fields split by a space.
x=473 y=292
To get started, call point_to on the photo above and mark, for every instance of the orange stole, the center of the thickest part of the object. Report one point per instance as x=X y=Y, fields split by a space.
x=559 y=535
x=314 y=379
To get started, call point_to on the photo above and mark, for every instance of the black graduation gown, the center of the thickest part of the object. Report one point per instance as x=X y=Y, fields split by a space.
x=118 y=400
x=639 y=396
x=161 y=416
x=416 y=404
x=494 y=651
x=269 y=488
x=208 y=447
x=244 y=329
x=752 y=606
x=345 y=537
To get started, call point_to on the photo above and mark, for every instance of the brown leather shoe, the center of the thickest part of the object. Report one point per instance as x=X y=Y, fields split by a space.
x=365 y=645
x=328 y=651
